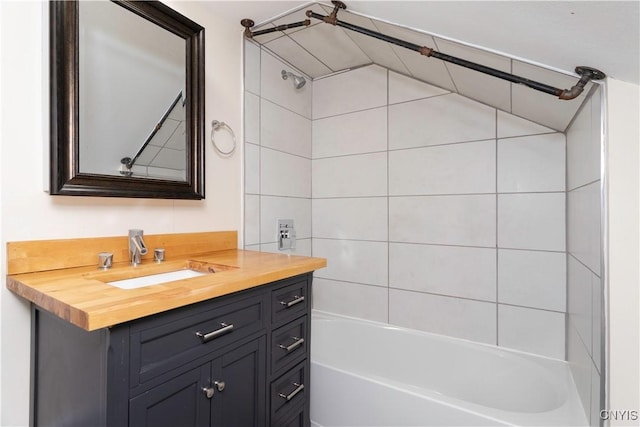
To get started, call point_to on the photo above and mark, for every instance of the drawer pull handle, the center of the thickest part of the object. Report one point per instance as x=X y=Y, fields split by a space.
x=215 y=334
x=296 y=344
x=296 y=300
x=288 y=397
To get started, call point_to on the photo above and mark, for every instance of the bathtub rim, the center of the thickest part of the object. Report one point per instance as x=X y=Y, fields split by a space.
x=320 y=313
x=570 y=412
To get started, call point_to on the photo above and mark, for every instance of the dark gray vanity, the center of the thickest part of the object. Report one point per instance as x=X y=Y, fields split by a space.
x=237 y=360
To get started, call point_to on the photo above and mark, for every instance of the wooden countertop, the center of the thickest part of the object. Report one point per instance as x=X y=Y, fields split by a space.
x=81 y=296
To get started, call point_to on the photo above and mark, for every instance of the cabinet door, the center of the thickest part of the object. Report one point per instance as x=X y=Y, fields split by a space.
x=180 y=401
x=239 y=378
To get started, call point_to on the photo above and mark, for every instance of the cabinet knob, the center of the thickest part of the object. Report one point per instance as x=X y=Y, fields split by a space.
x=208 y=391
x=219 y=385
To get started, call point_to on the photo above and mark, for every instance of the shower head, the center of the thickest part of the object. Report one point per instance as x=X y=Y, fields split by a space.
x=298 y=81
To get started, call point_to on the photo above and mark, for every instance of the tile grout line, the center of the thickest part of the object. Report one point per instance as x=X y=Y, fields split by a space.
x=388 y=212
x=260 y=154
x=497 y=224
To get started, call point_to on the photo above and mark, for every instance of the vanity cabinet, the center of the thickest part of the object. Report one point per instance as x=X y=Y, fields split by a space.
x=237 y=360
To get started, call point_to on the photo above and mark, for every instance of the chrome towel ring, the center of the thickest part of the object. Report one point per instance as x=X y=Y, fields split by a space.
x=217 y=125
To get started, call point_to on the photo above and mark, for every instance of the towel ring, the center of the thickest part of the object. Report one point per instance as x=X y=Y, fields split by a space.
x=216 y=125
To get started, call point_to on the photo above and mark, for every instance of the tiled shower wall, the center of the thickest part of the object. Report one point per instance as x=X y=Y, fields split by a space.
x=584 y=297
x=437 y=212
x=277 y=153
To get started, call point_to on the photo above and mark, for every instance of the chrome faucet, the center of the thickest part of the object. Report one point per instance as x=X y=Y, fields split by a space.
x=137 y=247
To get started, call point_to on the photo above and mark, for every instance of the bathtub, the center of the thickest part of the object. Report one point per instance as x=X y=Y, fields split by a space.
x=372 y=374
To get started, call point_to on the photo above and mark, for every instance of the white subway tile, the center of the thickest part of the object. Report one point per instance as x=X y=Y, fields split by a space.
x=251 y=220
x=165 y=173
x=350 y=299
x=251 y=169
x=353 y=260
x=331 y=45
x=447 y=270
x=275 y=208
x=595 y=397
x=472 y=84
x=597 y=131
x=532 y=221
x=378 y=51
x=583 y=210
x=251 y=67
x=350 y=176
x=583 y=163
x=532 y=279
x=510 y=125
x=284 y=130
x=462 y=318
x=445 y=169
x=296 y=55
x=540 y=107
x=596 y=317
x=580 y=365
x=362 y=218
x=356 y=90
x=283 y=174
x=354 y=133
x=169 y=159
x=448 y=220
x=403 y=88
x=431 y=70
x=534 y=331
x=440 y=120
x=303 y=248
x=580 y=304
x=531 y=163
x=280 y=91
x=251 y=118
x=583 y=146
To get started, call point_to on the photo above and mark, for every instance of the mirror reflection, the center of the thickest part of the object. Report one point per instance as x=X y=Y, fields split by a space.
x=125 y=94
x=132 y=104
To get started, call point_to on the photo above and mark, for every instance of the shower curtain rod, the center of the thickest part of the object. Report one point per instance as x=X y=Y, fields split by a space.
x=587 y=73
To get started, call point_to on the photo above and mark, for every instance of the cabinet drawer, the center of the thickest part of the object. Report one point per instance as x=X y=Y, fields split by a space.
x=290 y=301
x=290 y=391
x=298 y=418
x=289 y=344
x=157 y=349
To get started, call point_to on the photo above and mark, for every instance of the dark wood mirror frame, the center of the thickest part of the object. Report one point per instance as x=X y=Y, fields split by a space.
x=65 y=175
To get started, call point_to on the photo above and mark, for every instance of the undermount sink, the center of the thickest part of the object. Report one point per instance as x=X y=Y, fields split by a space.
x=155 y=279
x=188 y=270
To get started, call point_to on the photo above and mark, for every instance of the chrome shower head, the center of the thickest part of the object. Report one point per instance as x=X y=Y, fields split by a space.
x=298 y=81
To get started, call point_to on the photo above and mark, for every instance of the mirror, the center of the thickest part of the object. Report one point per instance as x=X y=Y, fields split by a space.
x=127 y=100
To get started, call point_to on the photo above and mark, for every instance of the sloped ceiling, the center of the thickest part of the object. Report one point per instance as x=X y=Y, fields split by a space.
x=510 y=36
x=557 y=34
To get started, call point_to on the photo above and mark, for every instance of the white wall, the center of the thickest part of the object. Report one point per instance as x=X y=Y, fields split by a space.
x=623 y=138
x=410 y=183
x=28 y=213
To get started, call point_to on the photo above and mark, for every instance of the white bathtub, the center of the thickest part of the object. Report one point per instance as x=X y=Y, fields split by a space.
x=372 y=374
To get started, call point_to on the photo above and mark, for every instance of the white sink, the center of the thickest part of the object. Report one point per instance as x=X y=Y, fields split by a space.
x=155 y=279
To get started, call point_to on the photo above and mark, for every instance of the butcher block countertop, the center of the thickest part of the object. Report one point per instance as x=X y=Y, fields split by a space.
x=61 y=276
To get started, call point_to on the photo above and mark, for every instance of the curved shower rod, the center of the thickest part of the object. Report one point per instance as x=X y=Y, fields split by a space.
x=586 y=73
